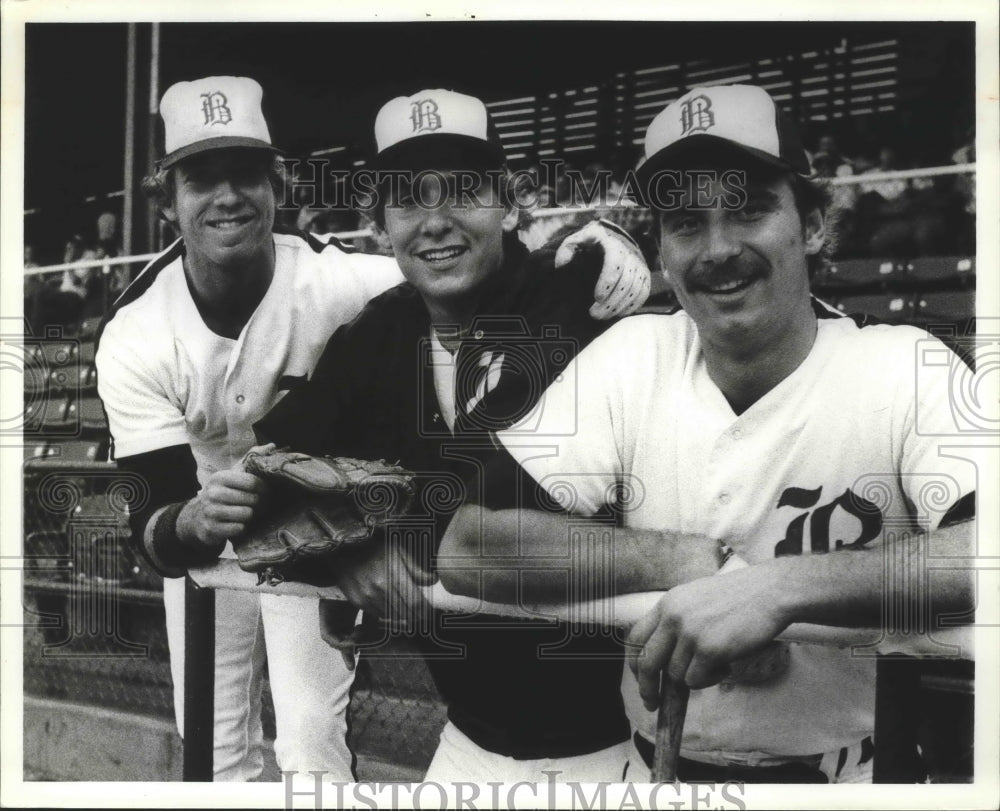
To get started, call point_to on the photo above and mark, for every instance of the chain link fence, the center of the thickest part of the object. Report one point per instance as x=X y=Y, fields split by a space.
x=95 y=632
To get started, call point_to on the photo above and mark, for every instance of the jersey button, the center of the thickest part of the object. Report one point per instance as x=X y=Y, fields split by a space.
x=737 y=433
x=724 y=498
x=240 y=398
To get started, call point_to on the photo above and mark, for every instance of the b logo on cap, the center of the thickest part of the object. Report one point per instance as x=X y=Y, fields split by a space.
x=696 y=115
x=215 y=108
x=424 y=115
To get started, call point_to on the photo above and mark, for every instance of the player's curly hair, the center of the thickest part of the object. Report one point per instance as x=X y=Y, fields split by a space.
x=161 y=186
x=809 y=196
x=518 y=192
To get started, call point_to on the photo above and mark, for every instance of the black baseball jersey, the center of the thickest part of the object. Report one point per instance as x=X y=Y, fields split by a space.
x=522 y=689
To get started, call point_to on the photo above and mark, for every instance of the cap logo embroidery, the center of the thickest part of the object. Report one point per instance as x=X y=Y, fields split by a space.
x=215 y=107
x=424 y=115
x=696 y=115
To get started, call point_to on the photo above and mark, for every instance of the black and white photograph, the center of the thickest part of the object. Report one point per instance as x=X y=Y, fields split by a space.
x=500 y=407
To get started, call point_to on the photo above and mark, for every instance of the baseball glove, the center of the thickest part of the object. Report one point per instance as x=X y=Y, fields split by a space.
x=319 y=506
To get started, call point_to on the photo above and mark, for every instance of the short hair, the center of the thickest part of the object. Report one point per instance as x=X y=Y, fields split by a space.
x=518 y=191
x=161 y=186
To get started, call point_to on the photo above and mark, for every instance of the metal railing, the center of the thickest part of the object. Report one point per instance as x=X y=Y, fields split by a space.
x=541 y=214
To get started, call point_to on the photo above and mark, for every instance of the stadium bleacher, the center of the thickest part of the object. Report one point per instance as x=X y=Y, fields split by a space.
x=937 y=293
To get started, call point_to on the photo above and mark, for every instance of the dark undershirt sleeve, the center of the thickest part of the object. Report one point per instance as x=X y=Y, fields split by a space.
x=171 y=480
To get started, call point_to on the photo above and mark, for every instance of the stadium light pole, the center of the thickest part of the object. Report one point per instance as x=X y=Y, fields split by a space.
x=128 y=200
x=139 y=136
x=152 y=232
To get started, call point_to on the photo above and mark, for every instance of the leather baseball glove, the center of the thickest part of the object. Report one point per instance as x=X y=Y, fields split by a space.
x=318 y=506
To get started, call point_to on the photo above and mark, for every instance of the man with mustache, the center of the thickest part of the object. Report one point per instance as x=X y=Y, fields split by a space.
x=202 y=344
x=756 y=416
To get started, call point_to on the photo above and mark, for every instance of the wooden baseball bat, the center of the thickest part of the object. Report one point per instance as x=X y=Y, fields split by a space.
x=621 y=611
x=669 y=728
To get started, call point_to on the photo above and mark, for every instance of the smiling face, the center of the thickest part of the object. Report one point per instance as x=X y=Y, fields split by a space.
x=223 y=205
x=448 y=246
x=741 y=273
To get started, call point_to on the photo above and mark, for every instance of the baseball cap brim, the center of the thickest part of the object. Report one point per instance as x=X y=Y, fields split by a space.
x=222 y=142
x=703 y=151
x=441 y=151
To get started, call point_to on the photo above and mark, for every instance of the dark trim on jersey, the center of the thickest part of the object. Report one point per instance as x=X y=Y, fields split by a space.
x=140 y=285
x=149 y=273
x=824 y=310
x=663 y=304
x=962 y=510
x=133 y=292
x=316 y=244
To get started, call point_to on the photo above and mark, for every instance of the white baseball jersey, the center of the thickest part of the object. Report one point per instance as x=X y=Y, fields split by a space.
x=166 y=379
x=831 y=456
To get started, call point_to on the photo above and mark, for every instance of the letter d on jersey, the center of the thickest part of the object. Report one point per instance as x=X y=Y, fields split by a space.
x=868 y=521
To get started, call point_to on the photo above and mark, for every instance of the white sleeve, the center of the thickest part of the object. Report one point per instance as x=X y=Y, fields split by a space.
x=141 y=415
x=571 y=441
x=944 y=423
x=376 y=273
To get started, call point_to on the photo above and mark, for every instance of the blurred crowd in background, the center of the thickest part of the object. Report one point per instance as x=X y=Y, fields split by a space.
x=894 y=218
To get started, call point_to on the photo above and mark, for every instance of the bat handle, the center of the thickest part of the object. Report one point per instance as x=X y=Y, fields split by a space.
x=669 y=728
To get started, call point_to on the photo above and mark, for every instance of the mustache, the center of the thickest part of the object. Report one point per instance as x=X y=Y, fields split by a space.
x=736 y=268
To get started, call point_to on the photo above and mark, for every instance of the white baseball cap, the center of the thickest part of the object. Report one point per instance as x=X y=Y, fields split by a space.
x=436 y=128
x=216 y=112
x=744 y=117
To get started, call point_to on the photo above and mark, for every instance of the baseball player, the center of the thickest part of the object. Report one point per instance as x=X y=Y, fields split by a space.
x=422 y=376
x=199 y=346
x=202 y=344
x=760 y=418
